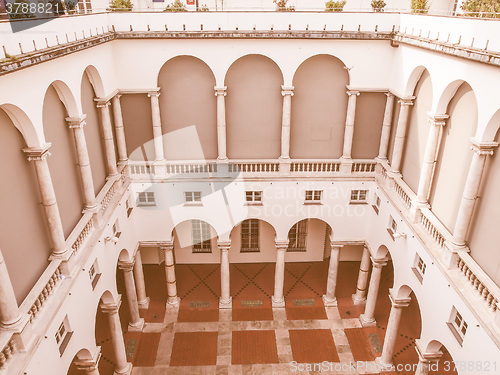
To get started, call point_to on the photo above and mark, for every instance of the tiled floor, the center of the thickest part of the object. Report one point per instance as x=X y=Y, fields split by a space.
x=253 y=338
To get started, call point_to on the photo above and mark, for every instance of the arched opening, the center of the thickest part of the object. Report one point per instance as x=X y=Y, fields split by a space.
x=319 y=108
x=444 y=364
x=25 y=234
x=83 y=356
x=253 y=108
x=188 y=109
x=63 y=163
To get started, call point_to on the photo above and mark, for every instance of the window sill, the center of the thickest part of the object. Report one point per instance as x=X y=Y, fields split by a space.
x=146 y=205
x=457 y=335
x=358 y=202
x=376 y=209
x=253 y=204
x=95 y=280
x=196 y=204
x=417 y=273
x=64 y=343
x=312 y=203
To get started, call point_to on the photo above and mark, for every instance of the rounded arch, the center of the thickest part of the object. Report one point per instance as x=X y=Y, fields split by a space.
x=312 y=217
x=124 y=256
x=381 y=252
x=107 y=297
x=190 y=56
x=188 y=221
x=249 y=55
x=446 y=96
x=324 y=55
x=251 y=217
x=404 y=291
x=492 y=128
x=413 y=79
x=67 y=98
x=95 y=80
x=23 y=123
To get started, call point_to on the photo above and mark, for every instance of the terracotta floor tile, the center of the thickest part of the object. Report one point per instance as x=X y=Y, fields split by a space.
x=198 y=315
x=194 y=349
x=315 y=312
x=251 y=347
x=313 y=346
x=360 y=344
x=155 y=313
x=146 y=351
x=252 y=313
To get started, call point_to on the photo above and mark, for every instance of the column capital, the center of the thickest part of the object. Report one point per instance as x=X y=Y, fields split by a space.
x=438 y=120
x=102 y=102
x=220 y=90
x=111 y=307
x=153 y=92
x=37 y=153
x=336 y=246
x=167 y=246
x=76 y=122
x=287 y=90
x=483 y=148
x=407 y=101
x=398 y=302
x=223 y=245
x=89 y=364
x=127 y=265
x=389 y=94
x=352 y=92
x=117 y=96
x=379 y=263
x=281 y=245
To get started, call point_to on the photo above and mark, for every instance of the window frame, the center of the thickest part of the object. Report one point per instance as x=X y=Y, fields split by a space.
x=377 y=203
x=419 y=268
x=149 y=199
x=313 y=196
x=359 y=196
x=192 y=198
x=392 y=227
x=297 y=237
x=94 y=274
x=253 y=197
x=202 y=243
x=459 y=329
x=250 y=235
x=62 y=338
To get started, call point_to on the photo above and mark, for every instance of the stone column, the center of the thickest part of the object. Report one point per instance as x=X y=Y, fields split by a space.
x=225 y=301
x=349 y=123
x=386 y=127
x=220 y=93
x=143 y=299
x=287 y=93
x=9 y=311
x=279 y=275
x=121 y=364
x=89 y=366
x=329 y=299
x=119 y=130
x=76 y=124
x=368 y=319
x=392 y=328
x=173 y=300
x=136 y=323
x=49 y=202
x=399 y=141
x=430 y=157
x=465 y=211
x=359 y=297
x=157 y=132
x=107 y=132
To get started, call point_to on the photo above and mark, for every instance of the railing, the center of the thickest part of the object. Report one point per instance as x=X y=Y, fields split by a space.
x=191 y=168
x=402 y=194
x=432 y=229
x=254 y=167
x=107 y=198
x=142 y=169
x=8 y=350
x=83 y=233
x=480 y=282
x=315 y=167
x=364 y=166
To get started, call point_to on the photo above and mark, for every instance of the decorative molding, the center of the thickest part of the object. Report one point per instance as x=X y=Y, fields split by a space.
x=37 y=154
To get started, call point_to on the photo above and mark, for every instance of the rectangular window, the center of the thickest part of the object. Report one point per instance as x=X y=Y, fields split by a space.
x=297 y=237
x=63 y=335
x=313 y=196
x=419 y=268
x=358 y=196
x=201 y=237
x=392 y=228
x=146 y=198
x=116 y=230
x=253 y=197
x=128 y=207
x=192 y=197
x=376 y=206
x=250 y=236
x=457 y=325
x=94 y=274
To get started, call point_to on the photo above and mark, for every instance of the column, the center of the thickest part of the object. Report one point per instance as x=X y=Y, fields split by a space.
x=173 y=300
x=368 y=319
x=89 y=366
x=121 y=364
x=107 y=131
x=9 y=311
x=287 y=93
x=279 y=275
x=136 y=323
x=359 y=297
x=427 y=362
x=399 y=141
x=392 y=328
x=465 y=211
x=430 y=157
x=349 y=123
x=143 y=299
x=49 y=203
x=119 y=130
x=386 y=127
x=76 y=124
x=225 y=301
x=329 y=298
x=157 y=132
x=220 y=93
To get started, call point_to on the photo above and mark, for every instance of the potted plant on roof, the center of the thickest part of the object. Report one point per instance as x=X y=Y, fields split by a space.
x=335 y=6
x=378 y=5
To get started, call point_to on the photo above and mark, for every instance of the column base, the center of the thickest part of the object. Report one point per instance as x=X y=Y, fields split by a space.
x=366 y=322
x=144 y=304
x=358 y=300
x=383 y=367
x=278 y=303
x=328 y=302
x=125 y=371
x=138 y=327
x=345 y=164
x=228 y=304
x=173 y=302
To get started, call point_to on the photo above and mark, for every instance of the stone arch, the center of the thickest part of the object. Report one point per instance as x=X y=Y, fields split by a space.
x=411 y=83
x=254 y=108
x=492 y=127
x=83 y=355
x=23 y=123
x=311 y=237
x=67 y=98
x=381 y=252
x=95 y=79
x=253 y=54
x=446 y=96
x=187 y=82
x=125 y=256
x=320 y=99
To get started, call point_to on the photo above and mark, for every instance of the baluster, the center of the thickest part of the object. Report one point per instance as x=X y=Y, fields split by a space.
x=7 y=351
x=3 y=360
x=490 y=300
